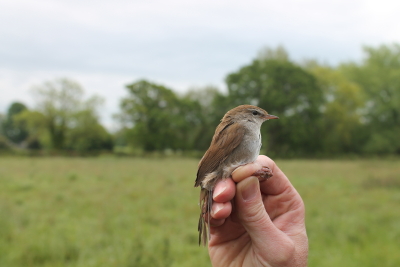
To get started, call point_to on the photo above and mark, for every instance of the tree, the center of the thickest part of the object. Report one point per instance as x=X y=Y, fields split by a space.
x=3 y=141
x=69 y=121
x=379 y=76
x=88 y=134
x=268 y=53
x=288 y=91
x=35 y=123
x=58 y=100
x=157 y=118
x=342 y=111
x=2 y=120
x=15 y=131
x=209 y=111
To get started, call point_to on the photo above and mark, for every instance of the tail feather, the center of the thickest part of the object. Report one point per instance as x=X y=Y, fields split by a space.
x=205 y=206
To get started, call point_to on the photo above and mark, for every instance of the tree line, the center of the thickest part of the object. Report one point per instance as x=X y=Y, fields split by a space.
x=352 y=108
x=61 y=121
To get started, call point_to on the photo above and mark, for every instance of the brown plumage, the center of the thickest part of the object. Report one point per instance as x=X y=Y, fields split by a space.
x=236 y=142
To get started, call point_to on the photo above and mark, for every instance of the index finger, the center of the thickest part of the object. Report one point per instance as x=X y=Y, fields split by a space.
x=275 y=185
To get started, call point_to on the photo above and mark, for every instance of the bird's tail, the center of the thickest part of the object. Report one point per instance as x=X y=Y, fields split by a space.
x=204 y=223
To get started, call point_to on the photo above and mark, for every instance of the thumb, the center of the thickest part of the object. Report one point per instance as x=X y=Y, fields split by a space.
x=253 y=216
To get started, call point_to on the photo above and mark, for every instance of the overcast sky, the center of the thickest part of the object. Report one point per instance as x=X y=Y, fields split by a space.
x=105 y=45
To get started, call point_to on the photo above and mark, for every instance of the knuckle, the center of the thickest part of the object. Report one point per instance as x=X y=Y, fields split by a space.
x=255 y=214
x=285 y=256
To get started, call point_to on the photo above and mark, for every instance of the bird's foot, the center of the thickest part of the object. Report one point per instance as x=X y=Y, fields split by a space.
x=263 y=174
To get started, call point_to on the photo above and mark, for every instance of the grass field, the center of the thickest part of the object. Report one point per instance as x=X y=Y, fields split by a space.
x=141 y=212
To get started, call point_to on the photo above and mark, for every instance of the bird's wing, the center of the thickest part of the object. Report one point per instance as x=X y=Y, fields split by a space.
x=223 y=143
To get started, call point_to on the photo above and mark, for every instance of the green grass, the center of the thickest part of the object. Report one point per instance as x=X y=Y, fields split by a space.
x=142 y=212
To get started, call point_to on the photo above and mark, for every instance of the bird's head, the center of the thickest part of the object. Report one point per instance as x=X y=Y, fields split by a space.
x=248 y=113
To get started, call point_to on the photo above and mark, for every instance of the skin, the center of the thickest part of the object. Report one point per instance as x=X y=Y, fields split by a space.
x=265 y=225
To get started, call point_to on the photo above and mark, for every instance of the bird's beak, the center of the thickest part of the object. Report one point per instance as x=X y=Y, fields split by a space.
x=270 y=117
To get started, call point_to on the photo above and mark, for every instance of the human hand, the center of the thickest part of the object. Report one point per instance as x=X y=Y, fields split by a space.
x=264 y=227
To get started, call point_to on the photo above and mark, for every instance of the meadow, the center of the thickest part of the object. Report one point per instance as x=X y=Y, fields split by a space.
x=143 y=212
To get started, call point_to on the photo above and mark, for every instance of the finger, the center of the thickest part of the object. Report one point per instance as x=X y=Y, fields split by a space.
x=216 y=223
x=242 y=172
x=221 y=210
x=224 y=190
x=278 y=183
x=275 y=185
x=254 y=218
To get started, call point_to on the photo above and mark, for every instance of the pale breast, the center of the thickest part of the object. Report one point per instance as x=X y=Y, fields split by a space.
x=246 y=152
x=251 y=148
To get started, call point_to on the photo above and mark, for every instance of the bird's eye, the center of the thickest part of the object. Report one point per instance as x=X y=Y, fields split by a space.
x=255 y=113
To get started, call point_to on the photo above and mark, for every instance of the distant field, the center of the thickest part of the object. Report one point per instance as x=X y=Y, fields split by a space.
x=141 y=212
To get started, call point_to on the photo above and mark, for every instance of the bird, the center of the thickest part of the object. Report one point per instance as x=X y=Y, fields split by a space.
x=236 y=142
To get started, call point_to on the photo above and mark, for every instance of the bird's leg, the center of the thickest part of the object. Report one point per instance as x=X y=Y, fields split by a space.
x=263 y=174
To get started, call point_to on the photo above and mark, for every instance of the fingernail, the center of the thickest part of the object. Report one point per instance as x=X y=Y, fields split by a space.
x=242 y=172
x=238 y=168
x=216 y=207
x=249 y=188
x=220 y=188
